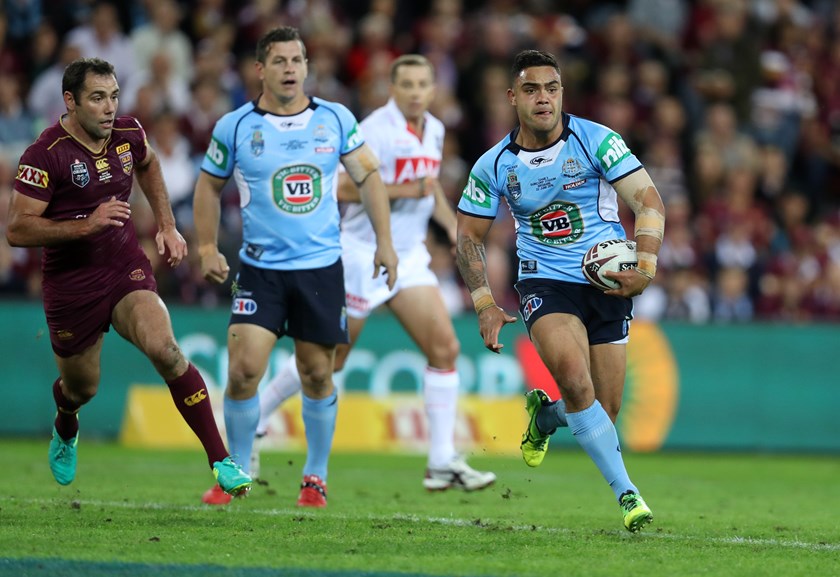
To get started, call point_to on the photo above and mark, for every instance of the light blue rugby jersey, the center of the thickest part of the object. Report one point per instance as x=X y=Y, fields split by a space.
x=561 y=197
x=286 y=170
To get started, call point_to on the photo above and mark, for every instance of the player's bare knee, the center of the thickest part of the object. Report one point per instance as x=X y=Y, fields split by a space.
x=340 y=360
x=316 y=382
x=243 y=379
x=444 y=353
x=168 y=359
x=81 y=390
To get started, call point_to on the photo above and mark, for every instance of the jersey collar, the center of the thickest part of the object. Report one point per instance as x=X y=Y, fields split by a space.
x=515 y=148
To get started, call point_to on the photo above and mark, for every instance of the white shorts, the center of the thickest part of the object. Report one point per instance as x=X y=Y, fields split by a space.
x=364 y=293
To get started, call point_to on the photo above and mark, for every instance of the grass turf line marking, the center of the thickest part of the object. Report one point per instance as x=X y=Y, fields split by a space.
x=454 y=522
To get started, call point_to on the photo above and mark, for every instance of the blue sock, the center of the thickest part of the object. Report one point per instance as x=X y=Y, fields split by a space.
x=241 y=419
x=552 y=416
x=595 y=432
x=319 y=422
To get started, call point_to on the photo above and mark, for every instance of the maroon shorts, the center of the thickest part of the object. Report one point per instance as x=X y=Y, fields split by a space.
x=76 y=320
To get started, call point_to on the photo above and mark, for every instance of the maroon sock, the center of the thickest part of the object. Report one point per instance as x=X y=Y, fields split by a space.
x=66 y=420
x=190 y=395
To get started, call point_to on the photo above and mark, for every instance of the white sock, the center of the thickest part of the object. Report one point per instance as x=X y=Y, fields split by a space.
x=440 y=393
x=284 y=384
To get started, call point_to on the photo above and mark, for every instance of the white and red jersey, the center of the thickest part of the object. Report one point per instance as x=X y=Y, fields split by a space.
x=403 y=157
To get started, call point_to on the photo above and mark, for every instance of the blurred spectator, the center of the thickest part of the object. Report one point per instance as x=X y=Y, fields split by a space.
x=46 y=97
x=176 y=163
x=18 y=127
x=161 y=34
x=102 y=36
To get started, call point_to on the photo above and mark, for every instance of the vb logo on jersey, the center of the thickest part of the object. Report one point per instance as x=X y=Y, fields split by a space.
x=558 y=223
x=297 y=189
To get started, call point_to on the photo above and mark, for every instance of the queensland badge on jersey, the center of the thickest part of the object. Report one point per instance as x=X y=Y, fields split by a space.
x=513 y=186
x=79 y=173
x=297 y=189
x=558 y=223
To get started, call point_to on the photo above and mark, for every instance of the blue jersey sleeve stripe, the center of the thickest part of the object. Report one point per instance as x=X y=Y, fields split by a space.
x=628 y=173
x=341 y=126
x=472 y=214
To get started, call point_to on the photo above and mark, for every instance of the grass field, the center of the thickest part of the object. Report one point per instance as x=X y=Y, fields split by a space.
x=138 y=513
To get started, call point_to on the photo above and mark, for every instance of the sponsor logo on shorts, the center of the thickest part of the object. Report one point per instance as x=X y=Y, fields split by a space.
x=244 y=306
x=64 y=334
x=356 y=302
x=33 y=176
x=531 y=306
x=137 y=274
x=193 y=400
x=323 y=149
x=79 y=173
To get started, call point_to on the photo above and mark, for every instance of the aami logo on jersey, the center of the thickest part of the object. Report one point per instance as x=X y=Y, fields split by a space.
x=409 y=169
x=33 y=176
x=612 y=150
x=243 y=306
x=558 y=223
x=297 y=189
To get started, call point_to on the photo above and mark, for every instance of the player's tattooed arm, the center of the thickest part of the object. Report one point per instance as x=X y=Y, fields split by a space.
x=472 y=264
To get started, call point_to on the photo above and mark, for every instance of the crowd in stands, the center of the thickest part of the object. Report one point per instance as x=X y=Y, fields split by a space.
x=732 y=105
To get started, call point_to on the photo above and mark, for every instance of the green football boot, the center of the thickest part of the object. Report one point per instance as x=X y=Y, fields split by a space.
x=636 y=512
x=231 y=478
x=534 y=442
x=63 y=458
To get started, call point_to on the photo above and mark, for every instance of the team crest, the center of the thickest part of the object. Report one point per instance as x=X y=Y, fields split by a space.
x=513 y=186
x=571 y=168
x=137 y=274
x=127 y=162
x=297 y=189
x=80 y=174
x=257 y=143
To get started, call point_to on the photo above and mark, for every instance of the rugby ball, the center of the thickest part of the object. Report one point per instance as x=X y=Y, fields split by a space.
x=614 y=255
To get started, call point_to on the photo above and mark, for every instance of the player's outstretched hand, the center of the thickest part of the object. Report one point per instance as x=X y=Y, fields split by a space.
x=386 y=257
x=490 y=323
x=214 y=267
x=113 y=212
x=171 y=241
x=632 y=283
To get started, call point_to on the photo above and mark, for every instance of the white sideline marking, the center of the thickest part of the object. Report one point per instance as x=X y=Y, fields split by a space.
x=454 y=522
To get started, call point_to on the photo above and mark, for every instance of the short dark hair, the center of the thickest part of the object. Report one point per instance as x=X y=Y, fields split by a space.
x=281 y=34
x=76 y=72
x=410 y=60
x=530 y=59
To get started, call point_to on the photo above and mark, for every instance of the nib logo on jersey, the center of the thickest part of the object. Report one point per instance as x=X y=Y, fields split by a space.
x=558 y=223
x=297 y=189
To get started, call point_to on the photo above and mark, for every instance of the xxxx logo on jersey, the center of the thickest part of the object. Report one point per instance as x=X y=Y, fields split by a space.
x=297 y=189
x=558 y=223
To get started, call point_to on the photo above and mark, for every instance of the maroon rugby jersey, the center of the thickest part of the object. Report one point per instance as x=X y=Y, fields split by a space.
x=74 y=180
